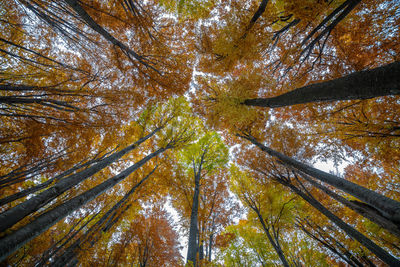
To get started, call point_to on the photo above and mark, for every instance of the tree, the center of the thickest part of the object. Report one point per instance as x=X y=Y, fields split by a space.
x=201 y=158
x=359 y=85
x=111 y=110
x=173 y=137
x=388 y=206
x=272 y=209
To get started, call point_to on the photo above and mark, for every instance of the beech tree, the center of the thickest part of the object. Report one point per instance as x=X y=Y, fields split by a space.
x=118 y=119
x=201 y=158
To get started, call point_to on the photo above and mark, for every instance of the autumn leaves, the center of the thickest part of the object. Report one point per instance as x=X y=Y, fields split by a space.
x=96 y=137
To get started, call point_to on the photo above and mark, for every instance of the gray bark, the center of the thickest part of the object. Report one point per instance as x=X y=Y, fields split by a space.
x=17 y=213
x=365 y=241
x=74 y=4
x=100 y=225
x=371 y=214
x=381 y=81
x=17 y=239
x=45 y=184
x=192 y=243
x=210 y=245
x=389 y=207
x=346 y=256
x=274 y=244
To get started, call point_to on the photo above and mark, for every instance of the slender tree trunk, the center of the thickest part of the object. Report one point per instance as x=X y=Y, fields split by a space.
x=201 y=251
x=274 y=244
x=389 y=207
x=210 y=244
x=17 y=239
x=74 y=4
x=17 y=213
x=353 y=233
x=347 y=256
x=260 y=10
x=100 y=225
x=192 y=243
x=38 y=187
x=381 y=81
x=364 y=210
x=54 y=249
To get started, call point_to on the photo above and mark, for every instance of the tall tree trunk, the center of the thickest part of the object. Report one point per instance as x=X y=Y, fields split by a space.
x=353 y=233
x=274 y=244
x=381 y=81
x=347 y=257
x=58 y=246
x=45 y=184
x=389 y=207
x=260 y=10
x=101 y=225
x=17 y=239
x=192 y=243
x=361 y=208
x=74 y=4
x=210 y=244
x=17 y=213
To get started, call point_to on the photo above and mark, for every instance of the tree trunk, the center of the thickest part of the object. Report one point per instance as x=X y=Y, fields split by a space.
x=45 y=184
x=210 y=244
x=389 y=207
x=74 y=4
x=361 y=208
x=381 y=81
x=353 y=233
x=55 y=248
x=17 y=213
x=275 y=245
x=100 y=225
x=17 y=239
x=192 y=243
x=346 y=256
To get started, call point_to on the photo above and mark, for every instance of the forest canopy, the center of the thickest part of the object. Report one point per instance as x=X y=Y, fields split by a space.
x=200 y=133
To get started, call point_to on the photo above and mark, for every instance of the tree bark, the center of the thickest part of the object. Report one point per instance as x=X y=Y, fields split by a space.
x=210 y=244
x=17 y=213
x=100 y=225
x=389 y=207
x=381 y=81
x=192 y=244
x=347 y=257
x=365 y=241
x=45 y=184
x=74 y=4
x=274 y=244
x=17 y=239
x=371 y=214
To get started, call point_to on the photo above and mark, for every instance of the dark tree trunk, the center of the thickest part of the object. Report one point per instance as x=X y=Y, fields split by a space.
x=345 y=256
x=210 y=244
x=17 y=239
x=100 y=225
x=38 y=187
x=361 y=208
x=389 y=207
x=364 y=84
x=201 y=251
x=353 y=233
x=58 y=246
x=274 y=244
x=256 y=16
x=17 y=213
x=74 y=4
x=192 y=243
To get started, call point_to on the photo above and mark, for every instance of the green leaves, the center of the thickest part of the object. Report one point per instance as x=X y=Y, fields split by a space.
x=208 y=153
